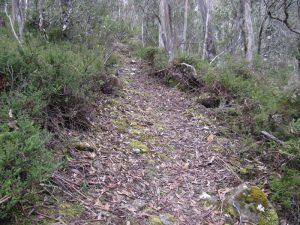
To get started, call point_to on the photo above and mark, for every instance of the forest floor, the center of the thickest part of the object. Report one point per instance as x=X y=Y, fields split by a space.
x=153 y=159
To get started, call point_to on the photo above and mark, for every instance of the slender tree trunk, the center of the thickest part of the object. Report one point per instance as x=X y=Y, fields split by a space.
x=18 y=17
x=209 y=49
x=248 y=29
x=184 y=34
x=166 y=28
x=66 y=8
x=298 y=40
x=41 y=10
x=160 y=41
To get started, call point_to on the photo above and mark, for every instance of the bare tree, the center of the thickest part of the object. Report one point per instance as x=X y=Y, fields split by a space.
x=19 y=12
x=281 y=11
x=185 y=25
x=248 y=30
x=209 y=49
x=166 y=33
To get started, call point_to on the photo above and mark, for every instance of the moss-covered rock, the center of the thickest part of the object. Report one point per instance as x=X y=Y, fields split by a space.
x=139 y=147
x=250 y=203
x=155 y=220
x=162 y=219
x=122 y=123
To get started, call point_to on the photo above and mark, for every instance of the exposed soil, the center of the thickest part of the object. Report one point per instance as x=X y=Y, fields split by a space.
x=154 y=157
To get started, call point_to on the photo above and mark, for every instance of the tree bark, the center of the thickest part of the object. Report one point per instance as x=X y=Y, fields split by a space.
x=185 y=23
x=248 y=29
x=41 y=11
x=166 y=33
x=18 y=17
x=209 y=49
x=66 y=8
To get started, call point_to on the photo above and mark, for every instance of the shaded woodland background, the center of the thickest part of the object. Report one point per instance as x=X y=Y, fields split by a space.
x=58 y=55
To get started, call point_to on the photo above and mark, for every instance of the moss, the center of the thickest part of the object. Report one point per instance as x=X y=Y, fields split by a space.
x=121 y=123
x=136 y=132
x=155 y=220
x=244 y=171
x=231 y=211
x=254 y=195
x=170 y=81
x=270 y=217
x=70 y=211
x=258 y=196
x=217 y=148
x=139 y=145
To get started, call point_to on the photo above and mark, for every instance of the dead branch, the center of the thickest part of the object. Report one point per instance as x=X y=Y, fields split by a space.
x=271 y=137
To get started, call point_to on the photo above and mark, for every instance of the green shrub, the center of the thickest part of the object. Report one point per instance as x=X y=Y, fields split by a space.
x=24 y=161
x=34 y=74
x=286 y=192
x=156 y=57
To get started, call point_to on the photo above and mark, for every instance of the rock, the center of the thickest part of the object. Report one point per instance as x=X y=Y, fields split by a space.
x=133 y=62
x=138 y=147
x=84 y=146
x=250 y=204
x=162 y=219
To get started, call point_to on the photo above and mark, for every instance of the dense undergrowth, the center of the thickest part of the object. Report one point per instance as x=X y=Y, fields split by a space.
x=251 y=101
x=35 y=78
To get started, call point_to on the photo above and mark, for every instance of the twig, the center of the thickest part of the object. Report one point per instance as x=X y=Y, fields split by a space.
x=4 y=199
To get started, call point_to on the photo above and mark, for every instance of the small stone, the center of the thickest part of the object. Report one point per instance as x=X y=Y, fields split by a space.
x=136 y=150
x=84 y=146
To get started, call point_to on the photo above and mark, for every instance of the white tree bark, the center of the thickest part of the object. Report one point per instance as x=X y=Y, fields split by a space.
x=248 y=28
x=185 y=24
x=209 y=49
x=166 y=28
x=41 y=10
x=18 y=17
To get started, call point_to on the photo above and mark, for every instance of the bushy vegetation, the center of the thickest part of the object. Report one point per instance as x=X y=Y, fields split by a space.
x=32 y=76
x=156 y=57
x=266 y=103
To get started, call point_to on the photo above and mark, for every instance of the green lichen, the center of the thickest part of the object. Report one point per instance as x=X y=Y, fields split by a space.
x=122 y=123
x=258 y=196
x=254 y=195
x=70 y=211
x=270 y=217
x=231 y=211
x=155 y=220
x=244 y=171
x=139 y=145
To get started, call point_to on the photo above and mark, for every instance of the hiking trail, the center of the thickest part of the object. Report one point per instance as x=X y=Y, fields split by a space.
x=154 y=162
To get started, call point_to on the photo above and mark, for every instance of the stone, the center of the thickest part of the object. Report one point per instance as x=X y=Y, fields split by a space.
x=84 y=146
x=138 y=147
x=250 y=203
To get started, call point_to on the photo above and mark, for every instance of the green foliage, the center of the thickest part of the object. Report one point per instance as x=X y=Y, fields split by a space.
x=33 y=75
x=24 y=161
x=156 y=57
x=286 y=192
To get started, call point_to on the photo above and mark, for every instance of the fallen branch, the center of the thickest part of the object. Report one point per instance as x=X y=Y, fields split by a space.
x=271 y=137
x=4 y=199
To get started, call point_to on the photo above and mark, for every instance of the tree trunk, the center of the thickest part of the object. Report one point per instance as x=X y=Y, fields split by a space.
x=209 y=49
x=19 y=11
x=41 y=10
x=66 y=8
x=248 y=29
x=166 y=33
x=184 y=34
x=298 y=40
